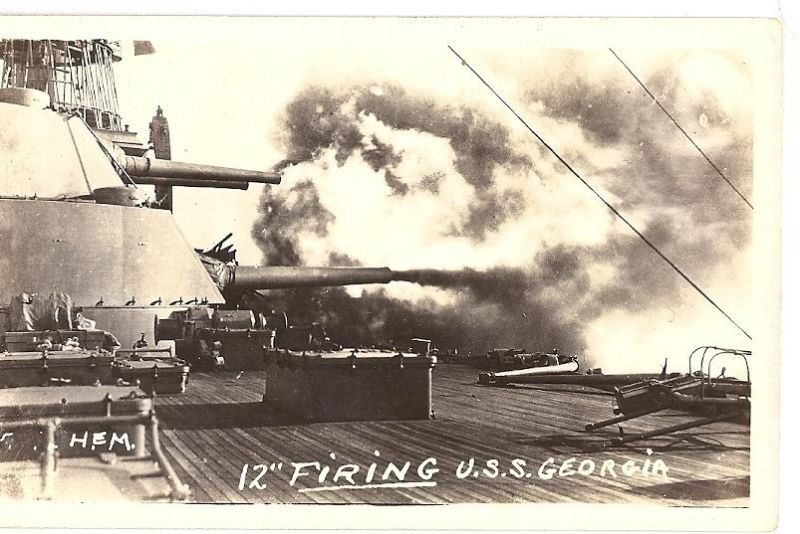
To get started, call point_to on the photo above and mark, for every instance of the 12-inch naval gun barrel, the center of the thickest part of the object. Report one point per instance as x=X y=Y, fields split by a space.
x=163 y=172
x=247 y=277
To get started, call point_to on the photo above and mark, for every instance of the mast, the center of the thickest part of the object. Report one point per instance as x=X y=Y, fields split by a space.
x=159 y=138
x=78 y=75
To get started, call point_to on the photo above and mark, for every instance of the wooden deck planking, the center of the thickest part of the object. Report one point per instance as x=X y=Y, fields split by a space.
x=546 y=418
x=211 y=431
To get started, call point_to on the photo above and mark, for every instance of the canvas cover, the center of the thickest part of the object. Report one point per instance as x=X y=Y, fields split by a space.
x=34 y=311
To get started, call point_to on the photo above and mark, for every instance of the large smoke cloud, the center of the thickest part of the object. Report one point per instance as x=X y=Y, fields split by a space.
x=518 y=253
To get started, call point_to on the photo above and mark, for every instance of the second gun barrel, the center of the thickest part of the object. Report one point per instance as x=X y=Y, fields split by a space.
x=163 y=168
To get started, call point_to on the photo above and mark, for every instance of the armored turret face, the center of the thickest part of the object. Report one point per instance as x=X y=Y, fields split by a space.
x=46 y=154
x=74 y=221
x=57 y=232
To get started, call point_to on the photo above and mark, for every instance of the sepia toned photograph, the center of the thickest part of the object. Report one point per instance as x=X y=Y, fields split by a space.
x=390 y=262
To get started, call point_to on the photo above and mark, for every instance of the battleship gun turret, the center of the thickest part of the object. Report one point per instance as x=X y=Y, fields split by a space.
x=74 y=219
x=81 y=239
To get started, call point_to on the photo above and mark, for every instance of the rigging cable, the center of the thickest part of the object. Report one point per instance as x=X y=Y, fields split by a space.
x=118 y=167
x=646 y=90
x=599 y=196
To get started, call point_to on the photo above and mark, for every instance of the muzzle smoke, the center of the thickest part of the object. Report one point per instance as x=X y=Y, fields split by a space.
x=511 y=250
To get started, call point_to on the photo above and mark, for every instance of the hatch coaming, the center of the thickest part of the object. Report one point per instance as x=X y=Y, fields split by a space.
x=97 y=252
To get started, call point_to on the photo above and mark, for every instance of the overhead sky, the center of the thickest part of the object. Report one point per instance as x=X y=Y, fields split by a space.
x=401 y=157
